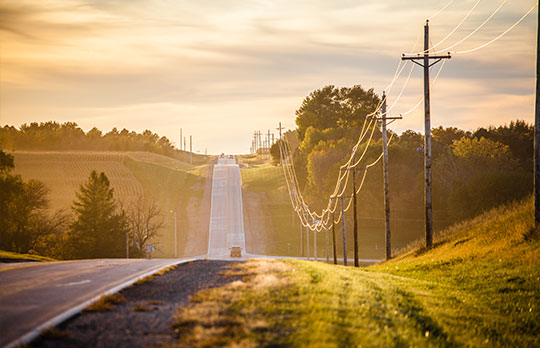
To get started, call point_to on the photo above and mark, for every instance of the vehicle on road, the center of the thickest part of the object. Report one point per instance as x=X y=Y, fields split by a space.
x=236 y=251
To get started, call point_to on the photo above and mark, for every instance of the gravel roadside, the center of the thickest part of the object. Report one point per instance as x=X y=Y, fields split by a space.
x=157 y=300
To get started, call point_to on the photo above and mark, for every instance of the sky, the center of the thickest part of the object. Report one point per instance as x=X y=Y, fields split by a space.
x=222 y=69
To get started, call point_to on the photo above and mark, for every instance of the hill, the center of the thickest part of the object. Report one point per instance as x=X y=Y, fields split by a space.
x=173 y=184
x=477 y=287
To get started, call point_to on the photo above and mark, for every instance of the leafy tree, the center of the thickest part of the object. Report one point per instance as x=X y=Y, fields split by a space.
x=331 y=107
x=100 y=227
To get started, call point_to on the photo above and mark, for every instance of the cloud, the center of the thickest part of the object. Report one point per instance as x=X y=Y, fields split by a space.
x=245 y=65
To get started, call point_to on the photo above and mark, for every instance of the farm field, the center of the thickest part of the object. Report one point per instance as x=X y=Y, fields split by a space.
x=170 y=182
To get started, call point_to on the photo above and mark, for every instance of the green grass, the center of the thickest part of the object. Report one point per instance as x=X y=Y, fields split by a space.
x=8 y=255
x=477 y=288
x=281 y=225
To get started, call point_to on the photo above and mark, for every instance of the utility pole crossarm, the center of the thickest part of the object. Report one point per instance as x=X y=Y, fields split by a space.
x=418 y=57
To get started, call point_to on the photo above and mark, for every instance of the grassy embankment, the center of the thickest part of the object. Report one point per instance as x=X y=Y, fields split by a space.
x=170 y=182
x=268 y=207
x=478 y=287
x=8 y=255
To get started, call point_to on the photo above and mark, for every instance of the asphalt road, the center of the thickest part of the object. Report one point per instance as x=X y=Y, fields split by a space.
x=226 y=219
x=31 y=295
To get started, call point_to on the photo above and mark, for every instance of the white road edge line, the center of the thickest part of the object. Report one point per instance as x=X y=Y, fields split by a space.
x=29 y=336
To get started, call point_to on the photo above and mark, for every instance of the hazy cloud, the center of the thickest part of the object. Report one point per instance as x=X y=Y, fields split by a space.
x=225 y=68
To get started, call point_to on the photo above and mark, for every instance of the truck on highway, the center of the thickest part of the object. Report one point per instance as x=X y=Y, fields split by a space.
x=236 y=251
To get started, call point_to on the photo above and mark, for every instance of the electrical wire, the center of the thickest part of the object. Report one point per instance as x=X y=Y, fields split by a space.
x=474 y=31
x=452 y=31
x=500 y=36
x=441 y=10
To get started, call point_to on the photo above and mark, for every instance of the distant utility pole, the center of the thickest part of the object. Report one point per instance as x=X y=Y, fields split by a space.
x=427 y=126
x=302 y=239
x=334 y=239
x=537 y=133
x=280 y=144
x=327 y=245
x=180 y=139
x=280 y=129
x=384 y=117
x=315 y=244
x=355 y=219
x=307 y=233
x=343 y=223
x=190 y=149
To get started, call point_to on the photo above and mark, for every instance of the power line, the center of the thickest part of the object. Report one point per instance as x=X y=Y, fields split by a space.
x=441 y=10
x=501 y=35
x=475 y=30
x=451 y=32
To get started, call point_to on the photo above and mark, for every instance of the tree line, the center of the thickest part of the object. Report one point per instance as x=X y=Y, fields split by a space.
x=97 y=226
x=472 y=170
x=69 y=136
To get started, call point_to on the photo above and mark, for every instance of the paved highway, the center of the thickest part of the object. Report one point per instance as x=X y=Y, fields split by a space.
x=226 y=217
x=31 y=295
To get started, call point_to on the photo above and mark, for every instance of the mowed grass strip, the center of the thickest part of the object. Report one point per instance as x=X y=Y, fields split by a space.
x=477 y=287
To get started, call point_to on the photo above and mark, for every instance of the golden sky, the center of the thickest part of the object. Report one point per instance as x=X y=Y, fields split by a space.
x=221 y=69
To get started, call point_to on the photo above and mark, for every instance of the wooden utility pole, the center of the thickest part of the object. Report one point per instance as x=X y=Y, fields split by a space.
x=327 y=245
x=280 y=139
x=382 y=119
x=334 y=239
x=355 y=220
x=343 y=224
x=190 y=149
x=307 y=244
x=537 y=133
x=427 y=128
x=302 y=252
x=315 y=244
x=180 y=139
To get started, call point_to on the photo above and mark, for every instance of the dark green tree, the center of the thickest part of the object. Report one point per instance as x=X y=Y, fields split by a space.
x=100 y=226
x=24 y=220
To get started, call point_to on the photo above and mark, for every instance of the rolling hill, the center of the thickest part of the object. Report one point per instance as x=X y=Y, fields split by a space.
x=173 y=184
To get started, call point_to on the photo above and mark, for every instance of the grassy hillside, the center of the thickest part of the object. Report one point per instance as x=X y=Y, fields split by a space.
x=477 y=288
x=8 y=256
x=270 y=218
x=170 y=182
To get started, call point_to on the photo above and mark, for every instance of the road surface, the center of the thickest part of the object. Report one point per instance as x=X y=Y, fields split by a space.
x=226 y=217
x=31 y=295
